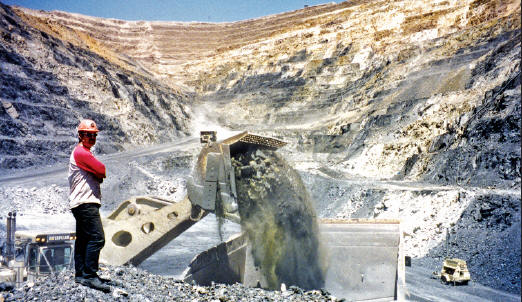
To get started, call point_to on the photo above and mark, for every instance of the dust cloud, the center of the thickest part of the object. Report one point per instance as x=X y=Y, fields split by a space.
x=278 y=216
x=205 y=119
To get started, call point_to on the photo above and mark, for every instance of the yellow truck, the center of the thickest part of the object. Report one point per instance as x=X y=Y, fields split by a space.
x=454 y=271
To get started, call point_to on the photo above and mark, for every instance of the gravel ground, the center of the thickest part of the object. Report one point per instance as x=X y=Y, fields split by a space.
x=133 y=284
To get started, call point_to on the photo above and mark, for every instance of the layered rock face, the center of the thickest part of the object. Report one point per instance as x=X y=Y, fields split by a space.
x=48 y=85
x=169 y=48
x=386 y=90
x=403 y=109
x=383 y=89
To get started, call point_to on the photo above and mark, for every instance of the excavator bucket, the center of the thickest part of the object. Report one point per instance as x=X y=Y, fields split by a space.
x=364 y=260
x=142 y=225
x=212 y=184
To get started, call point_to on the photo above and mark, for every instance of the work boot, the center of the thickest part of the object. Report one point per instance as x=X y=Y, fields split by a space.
x=95 y=283
x=107 y=281
x=104 y=280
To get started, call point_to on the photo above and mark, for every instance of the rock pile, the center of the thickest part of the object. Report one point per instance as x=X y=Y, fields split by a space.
x=44 y=200
x=133 y=284
x=487 y=236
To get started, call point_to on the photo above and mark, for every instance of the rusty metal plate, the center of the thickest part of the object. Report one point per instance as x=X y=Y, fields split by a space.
x=262 y=140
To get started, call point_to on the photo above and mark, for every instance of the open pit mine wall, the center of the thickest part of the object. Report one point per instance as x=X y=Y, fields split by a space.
x=403 y=90
x=48 y=84
x=422 y=90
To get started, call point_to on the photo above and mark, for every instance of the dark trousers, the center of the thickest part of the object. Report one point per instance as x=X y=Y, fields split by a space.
x=90 y=239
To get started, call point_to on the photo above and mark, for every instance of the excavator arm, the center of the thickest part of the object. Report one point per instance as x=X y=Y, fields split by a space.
x=142 y=225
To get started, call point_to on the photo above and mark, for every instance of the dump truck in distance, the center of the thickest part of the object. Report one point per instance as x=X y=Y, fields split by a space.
x=455 y=271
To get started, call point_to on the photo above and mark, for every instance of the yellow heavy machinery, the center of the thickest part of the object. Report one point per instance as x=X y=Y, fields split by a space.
x=454 y=271
x=365 y=260
x=29 y=254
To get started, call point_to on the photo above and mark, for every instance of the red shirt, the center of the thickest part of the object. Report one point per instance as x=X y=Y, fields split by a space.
x=85 y=174
x=85 y=160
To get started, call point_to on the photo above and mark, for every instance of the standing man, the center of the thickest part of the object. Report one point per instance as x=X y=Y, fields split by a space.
x=86 y=173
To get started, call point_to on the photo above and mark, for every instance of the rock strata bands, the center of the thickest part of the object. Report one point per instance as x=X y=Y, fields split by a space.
x=177 y=43
x=48 y=84
x=164 y=47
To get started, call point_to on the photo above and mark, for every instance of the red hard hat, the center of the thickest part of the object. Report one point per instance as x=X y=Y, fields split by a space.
x=87 y=126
